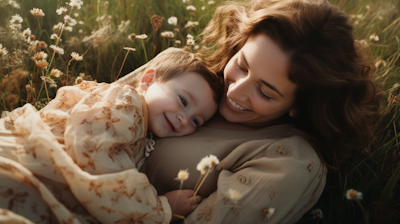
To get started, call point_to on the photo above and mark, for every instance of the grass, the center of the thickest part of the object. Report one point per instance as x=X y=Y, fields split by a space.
x=374 y=172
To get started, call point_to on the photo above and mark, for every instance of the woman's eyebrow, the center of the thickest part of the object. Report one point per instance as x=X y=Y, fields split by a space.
x=264 y=82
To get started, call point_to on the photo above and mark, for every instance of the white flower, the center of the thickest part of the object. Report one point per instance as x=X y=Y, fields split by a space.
x=268 y=212
x=54 y=36
x=69 y=20
x=68 y=28
x=55 y=72
x=191 y=8
x=78 y=80
x=123 y=26
x=234 y=195
x=367 y=7
x=76 y=56
x=380 y=63
x=76 y=14
x=214 y=160
x=167 y=34
x=82 y=75
x=141 y=37
x=184 y=1
x=352 y=194
x=16 y=19
x=61 y=10
x=3 y=51
x=173 y=20
x=373 y=37
x=204 y=165
x=47 y=79
x=57 y=49
x=182 y=175
x=191 y=24
x=129 y=49
x=211 y=2
x=203 y=8
x=81 y=22
x=38 y=13
x=189 y=36
x=53 y=85
x=27 y=32
x=190 y=42
x=16 y=27
x=178 y=42
x=80 y=31
x=76 y=4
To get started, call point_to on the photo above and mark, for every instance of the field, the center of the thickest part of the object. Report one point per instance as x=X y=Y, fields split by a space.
x=104 y=40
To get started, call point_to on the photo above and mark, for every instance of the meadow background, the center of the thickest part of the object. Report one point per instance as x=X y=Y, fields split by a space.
x=104 y=33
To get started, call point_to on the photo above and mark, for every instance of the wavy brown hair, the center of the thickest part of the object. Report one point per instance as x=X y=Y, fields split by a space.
x=336 y=95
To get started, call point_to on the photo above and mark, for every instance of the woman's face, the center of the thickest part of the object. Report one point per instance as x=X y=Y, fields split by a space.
x=257 y=86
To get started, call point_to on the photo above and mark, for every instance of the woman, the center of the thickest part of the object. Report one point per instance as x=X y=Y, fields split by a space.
x=298 y=98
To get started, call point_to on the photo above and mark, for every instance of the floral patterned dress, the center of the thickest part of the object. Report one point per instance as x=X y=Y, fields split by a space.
x=75 y=160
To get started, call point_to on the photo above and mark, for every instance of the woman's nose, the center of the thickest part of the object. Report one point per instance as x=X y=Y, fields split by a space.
x=239 y=90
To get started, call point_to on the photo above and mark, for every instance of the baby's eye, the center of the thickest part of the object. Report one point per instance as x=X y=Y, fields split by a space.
x=183 y=101
x=195 y=121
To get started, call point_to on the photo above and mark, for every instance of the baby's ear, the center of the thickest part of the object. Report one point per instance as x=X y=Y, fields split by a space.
x=148 y=78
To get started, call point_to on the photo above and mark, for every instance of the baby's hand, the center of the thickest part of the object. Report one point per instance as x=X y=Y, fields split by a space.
x=182 y=202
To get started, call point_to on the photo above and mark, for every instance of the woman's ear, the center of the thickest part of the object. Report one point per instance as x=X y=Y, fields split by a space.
x=294 y=112
x=148 y=78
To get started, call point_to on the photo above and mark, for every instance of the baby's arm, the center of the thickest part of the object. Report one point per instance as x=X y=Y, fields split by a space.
x=182 y=202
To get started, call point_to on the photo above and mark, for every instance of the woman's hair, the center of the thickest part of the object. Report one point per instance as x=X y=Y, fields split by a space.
x=336 y=95
x=173 y=62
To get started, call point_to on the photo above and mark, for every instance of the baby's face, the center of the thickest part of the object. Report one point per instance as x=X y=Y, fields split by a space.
x=180 y=105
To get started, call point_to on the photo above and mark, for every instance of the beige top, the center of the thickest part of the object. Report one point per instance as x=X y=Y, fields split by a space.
x=272 y=167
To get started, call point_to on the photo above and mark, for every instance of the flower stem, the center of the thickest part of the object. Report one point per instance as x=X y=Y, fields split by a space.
x=144 y=49
x=69 y=63
x=362 y=208
x=198 y=188
x=126 y=55
x=180 y=216
x=39 y=29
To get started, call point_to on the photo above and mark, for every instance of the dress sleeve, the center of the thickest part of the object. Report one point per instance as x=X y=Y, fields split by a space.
x=264 y=181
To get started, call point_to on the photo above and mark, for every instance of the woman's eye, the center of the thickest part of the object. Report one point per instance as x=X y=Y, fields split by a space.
x=263 y=95
x=195 y=121
x=183 y=101
x=238 y=66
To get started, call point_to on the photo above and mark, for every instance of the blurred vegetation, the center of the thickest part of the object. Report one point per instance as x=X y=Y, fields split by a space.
x=100 y=38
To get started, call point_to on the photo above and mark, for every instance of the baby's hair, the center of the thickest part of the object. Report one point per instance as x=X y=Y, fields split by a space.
x=174 y=61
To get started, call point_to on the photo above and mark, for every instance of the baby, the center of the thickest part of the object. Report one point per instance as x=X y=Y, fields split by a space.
x=94 y=136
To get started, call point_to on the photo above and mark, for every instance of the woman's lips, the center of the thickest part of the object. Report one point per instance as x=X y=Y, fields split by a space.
x=169 y=124
x=232 y=108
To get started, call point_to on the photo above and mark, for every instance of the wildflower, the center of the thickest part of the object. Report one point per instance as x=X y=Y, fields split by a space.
x=172 y=20
x=367 y=7
x=57 y=49
x=80 y=31
x=178 y=42
x=76 y=14
x=100 y=36
x=211 y=2
x=82 y=75
x=28 y=88
x=39 y=56
x=41 y=44
x=191 y=24
x=214 y=160
x=53 y=85
x=268 y=213
x=76 y=56
x=184 y=1
x=373 y=37
x=156 y=22
x=190 y=42
x=27 y=32
x=204 y=165
x=54 y=36
x=76 y=4
x=57 y=28
x=47 y=79
x=352 y=194
x=191 y=8
x=15 y=27
x=38 y=13
x=380 y=63
x=3 y=51
x=69 y=20
x=203 y=8
x=78 y=80
x=132 y=36
x=359 y=16
x=234 y=195
x=16 y=19
x=189 y=36
x=68 y=28
x=176 y=30
x=123 y=26
x=196 y=47
x=55 y=72
x=182 y=175
x=141 y=37
x=129 y=49
x=317 y=213
x=81 y=22
x=167 y=34
x=42 y=63
x=61 y=10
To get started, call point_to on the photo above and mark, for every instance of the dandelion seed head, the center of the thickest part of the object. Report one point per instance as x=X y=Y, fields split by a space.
x=204 y=165
x=167 y=34
x=76 y=56
x=42 y=63
x=213 y=159
x=182 y=175
x=190 y=8
x=234 y=195
x=38 y=13
x=61 y=10
x=352 y=194
x=173 y=21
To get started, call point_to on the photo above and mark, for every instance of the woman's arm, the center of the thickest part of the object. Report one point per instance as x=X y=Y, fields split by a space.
x=286 y=176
